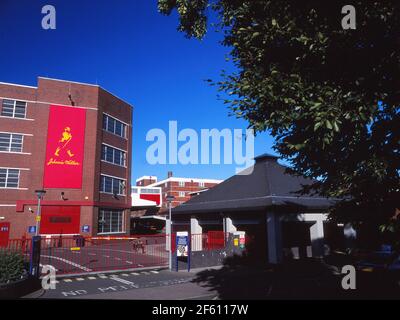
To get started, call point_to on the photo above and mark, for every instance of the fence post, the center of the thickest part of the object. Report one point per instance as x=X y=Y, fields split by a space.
x=35 y=257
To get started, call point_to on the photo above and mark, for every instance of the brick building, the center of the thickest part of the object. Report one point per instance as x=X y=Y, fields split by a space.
x=181 y=188
x=74 y=141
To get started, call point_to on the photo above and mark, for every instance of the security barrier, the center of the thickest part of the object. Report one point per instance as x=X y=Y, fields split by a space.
x=78 y=254
x=93 y=254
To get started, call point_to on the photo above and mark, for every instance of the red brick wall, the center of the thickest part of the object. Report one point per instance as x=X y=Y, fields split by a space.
x=173 y=188
x=96 y=101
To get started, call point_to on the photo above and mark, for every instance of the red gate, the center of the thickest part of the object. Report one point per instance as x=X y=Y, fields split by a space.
x=75 y=255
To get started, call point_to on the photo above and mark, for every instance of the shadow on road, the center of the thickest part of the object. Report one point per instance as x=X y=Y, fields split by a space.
x=246 y=278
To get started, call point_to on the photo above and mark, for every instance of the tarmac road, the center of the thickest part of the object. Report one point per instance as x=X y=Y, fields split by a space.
x=149 y=284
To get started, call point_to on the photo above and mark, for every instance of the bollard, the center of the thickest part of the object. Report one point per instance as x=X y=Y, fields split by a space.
x=35 y=257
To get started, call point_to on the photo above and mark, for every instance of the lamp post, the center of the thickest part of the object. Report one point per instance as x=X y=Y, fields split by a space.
x=40 y=194
x=170 y=198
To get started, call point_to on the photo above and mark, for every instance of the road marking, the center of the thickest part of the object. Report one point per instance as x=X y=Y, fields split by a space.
x=102 y=276
x=135 y=273
x=124 y=281
x=145 y=272
x=79 y=279
x=92 y=278
x=124 y=274
x=153 y=271
x=67 y=280
x=129 y=262
x=69 y=262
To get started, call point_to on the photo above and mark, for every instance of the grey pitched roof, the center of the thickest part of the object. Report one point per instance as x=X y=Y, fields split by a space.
x=263 y=185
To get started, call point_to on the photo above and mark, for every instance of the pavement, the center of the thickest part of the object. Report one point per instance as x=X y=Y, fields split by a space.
x=150 y=284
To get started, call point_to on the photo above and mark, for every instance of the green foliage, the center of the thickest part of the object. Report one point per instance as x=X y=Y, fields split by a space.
x=316 y=88
x=11 y=266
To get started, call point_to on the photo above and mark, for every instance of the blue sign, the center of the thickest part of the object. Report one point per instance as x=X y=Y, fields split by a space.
x=182 y=247
x=32 y=229
x=182 y=244
x=85 y=228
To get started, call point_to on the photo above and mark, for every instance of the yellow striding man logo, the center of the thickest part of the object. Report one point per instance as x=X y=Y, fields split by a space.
x=63 y=143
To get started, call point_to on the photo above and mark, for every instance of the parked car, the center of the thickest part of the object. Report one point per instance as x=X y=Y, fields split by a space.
x=380 y=261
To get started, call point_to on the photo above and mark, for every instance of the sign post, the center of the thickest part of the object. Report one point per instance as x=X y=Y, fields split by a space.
x=168 y=226
x=34 y=262
x=182 y=247
x=40 y=194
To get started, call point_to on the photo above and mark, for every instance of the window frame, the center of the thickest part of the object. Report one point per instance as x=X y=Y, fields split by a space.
x=6 y=181
x=104 y=176
x=111 y=212
x=10 y=142
x=14 y=108
x=182 y=194
x=124 y=126
x=104 y=151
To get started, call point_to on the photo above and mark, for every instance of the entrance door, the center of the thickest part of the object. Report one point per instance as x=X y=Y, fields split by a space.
x=60 y=220
x=4 y=233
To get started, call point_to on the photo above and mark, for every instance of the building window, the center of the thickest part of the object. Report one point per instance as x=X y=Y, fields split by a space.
x=113 y=155
x=150 y=191
x=9 y=178
x=181 y=183
x=112 y=185
x=10 y=142
x=110 y=221
x=114 y=126
x=181 y=194
x=13 y=109
x=201 y=184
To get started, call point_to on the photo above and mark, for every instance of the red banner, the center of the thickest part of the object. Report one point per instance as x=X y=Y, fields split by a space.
x=65 y=146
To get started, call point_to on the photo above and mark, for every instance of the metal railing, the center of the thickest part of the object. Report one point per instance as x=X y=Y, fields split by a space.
x=78 y=254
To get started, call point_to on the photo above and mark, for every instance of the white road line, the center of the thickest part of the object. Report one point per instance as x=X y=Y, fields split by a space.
x=102 y=276
x=135 y=273
x=124 y=281
x=92 y=278
x=67 y=280
x=153 y=271
x=79 y=279
x=145 y=272
x=124 y=274
x=69 y=262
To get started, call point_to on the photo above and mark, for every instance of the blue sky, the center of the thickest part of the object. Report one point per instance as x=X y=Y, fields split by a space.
x=131 y=50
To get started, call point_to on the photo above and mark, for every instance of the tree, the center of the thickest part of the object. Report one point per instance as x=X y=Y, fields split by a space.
x=330 y=97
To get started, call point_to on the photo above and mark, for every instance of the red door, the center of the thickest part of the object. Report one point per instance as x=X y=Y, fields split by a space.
x=60 y=220
x=4 y=233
